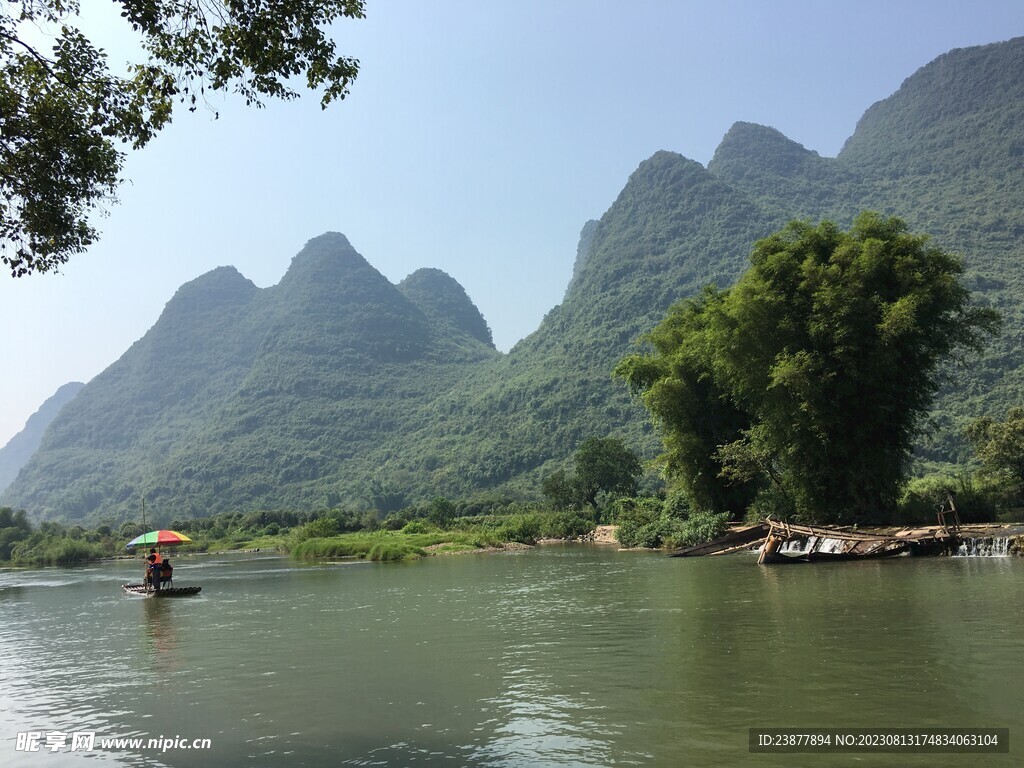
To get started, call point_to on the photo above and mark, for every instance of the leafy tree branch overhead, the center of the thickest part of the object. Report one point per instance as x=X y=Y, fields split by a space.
x=64 y=114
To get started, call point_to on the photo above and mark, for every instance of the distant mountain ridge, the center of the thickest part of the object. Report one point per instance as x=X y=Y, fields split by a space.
x=336 y=386
x=19 y=449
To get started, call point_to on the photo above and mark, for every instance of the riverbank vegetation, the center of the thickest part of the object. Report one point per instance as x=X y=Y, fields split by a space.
x=51 y=543
x=434 y=528
x=602 y=489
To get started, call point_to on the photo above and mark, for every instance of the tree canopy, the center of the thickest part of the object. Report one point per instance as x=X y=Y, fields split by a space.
x=65 y=113
x=602 y=465
x=801 y=389
x=999 y=445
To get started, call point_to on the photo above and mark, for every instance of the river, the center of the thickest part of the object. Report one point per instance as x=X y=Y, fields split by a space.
x=571 y=655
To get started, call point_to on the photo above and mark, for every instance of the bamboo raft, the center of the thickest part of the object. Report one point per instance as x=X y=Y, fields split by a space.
x=140 y=589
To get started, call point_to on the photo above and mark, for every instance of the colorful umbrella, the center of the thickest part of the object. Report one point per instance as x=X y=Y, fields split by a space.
x=159 y=539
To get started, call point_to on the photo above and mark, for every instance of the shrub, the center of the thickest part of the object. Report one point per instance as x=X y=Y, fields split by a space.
x=704 y=526
x=8 y=538
x=629 y=534
x=72 y=552
x=923 y=495
x=771 y=502
x=565 y=525
x=441 y=512
x=523 y=528
x=347 y=546
x=638 y=521
x=378 y=547
x=642 y=511
x=320 y=528
x=676 y=505
x=388 y=551
x=394 y=522
x=671 y=532
x=55 y=552
x=417 y=526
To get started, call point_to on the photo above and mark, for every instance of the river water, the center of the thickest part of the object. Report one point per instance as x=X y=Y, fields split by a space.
x=569 y=655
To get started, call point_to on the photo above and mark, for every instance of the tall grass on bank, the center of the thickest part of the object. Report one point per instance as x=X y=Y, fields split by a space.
x=329 y=536
x=58 y=552
x=530 y=527
x=386 y=546
x=354 y=545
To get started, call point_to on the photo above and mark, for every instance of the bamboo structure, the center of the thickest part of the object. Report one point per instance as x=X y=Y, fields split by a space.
x=815 y=543
x=782 y=542
x=140 y=589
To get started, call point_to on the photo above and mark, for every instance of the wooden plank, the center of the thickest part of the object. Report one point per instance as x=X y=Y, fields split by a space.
x=738 y=547
x=732 y=539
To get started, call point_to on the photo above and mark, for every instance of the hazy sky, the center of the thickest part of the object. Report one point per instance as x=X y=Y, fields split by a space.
x=479 y=137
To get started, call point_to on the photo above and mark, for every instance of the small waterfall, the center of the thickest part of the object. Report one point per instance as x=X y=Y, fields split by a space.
x=831 y=546
x=796 y=546
x=803 y=546
x=998 y=546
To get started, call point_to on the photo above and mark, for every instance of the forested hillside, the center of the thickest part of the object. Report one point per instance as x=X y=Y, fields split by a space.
x=337 y=387
x=246 y=398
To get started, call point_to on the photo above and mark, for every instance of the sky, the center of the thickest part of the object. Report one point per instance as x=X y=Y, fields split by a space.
x=479 y=138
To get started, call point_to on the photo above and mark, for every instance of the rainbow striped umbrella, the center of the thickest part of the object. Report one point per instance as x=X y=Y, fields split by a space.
x=159 y=539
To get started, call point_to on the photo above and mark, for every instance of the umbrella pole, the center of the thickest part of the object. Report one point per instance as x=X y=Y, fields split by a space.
x=145 y=560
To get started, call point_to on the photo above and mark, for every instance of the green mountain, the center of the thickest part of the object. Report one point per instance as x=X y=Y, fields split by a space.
x=19 y=449
x=673 y=228
x=336 y=386
x=240 y=397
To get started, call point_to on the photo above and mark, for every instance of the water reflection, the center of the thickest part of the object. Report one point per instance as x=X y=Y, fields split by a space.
x=563 y=623
x=534 y=723
x=161 y=632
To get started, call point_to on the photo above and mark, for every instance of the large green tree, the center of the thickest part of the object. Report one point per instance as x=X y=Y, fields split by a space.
x=65 y=114
x=999 y=445
x=603 y=465
x=810 y=378
x=694 y=411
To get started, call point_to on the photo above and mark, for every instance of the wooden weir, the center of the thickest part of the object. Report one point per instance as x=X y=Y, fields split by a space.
x=816 y=543
x=834 y=543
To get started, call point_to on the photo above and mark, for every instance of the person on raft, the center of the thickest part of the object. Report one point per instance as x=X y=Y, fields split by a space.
x=154 y=566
